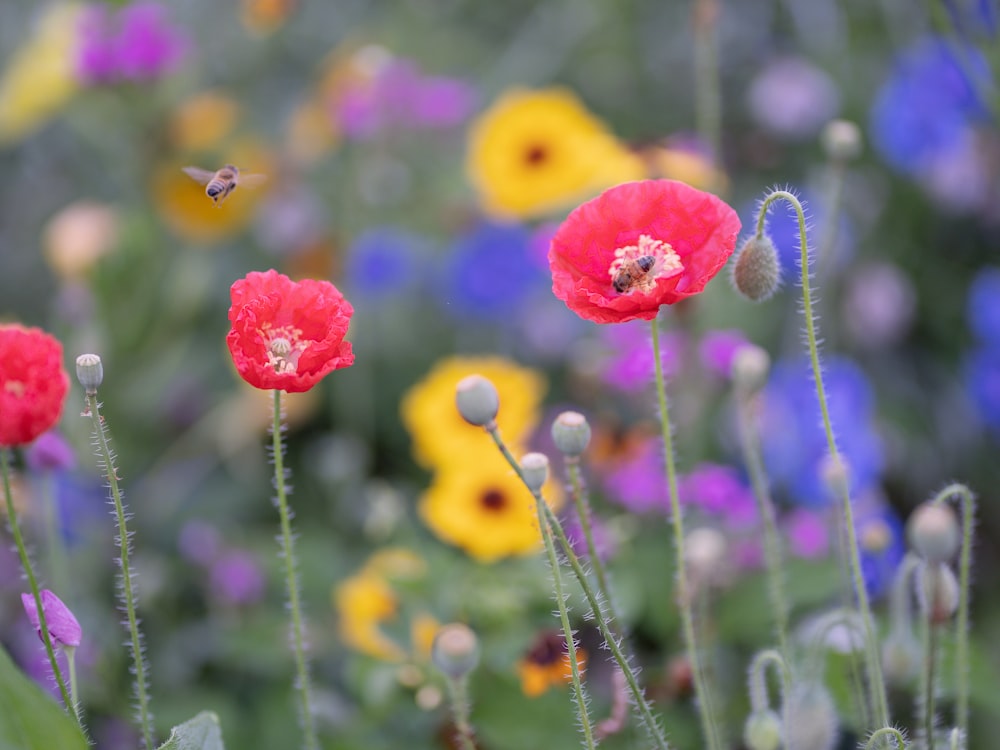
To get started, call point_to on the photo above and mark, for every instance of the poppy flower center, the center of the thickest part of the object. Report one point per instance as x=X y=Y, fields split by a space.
x=284 y=347
x=535 y=155
x=493 y=500
x=14 y=386
x=637 y=267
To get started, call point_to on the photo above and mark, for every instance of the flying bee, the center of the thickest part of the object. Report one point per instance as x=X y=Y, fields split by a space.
x=218 y=185
x=632 y=272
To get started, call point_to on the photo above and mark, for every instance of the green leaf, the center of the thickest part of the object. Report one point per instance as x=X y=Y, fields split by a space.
x=30 y=719
x=200 y=733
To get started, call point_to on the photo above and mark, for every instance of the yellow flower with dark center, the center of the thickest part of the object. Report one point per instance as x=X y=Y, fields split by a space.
x=533 y=152
x=441 y=437
x=547 y=664
x=481 y=506
x=39 y=78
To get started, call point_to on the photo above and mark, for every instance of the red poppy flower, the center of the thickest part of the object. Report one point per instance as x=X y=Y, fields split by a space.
x=640 y=245
x=33 y=383
x=286 y=334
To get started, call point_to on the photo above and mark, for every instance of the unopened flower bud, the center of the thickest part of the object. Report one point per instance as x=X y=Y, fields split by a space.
x=809 y=718
x=64 y=630
x=937 y=592
x=933 y=532
x=571 y=433
x=841 y=140
x=477 y=400
x=535 y=469
x=901 y=658
x=762 y=731
x=756 y=271
x=90 y=372
x=751 y=366
x=836 y=474
x=456 y=650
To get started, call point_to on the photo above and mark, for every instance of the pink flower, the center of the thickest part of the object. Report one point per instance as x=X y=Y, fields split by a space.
x=718 y=349
x=64 y=629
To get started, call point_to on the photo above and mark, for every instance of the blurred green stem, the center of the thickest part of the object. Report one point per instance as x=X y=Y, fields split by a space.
x=968 y=502
x=928 y=688
x=876 y=684
x=124 y=544
x=583 y=513
x=458 y=694
x=759 y=700
x=583 y=715
x=70 y=652
x=750 y=445
x=29 y=572
x=642 y=705
x=705 y=712
x=291 y=581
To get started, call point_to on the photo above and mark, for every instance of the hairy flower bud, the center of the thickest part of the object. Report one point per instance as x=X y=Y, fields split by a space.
x=762 y=730
x=571 y=433
x=841 y=140
x=937 y=592
x=901 y=658
x=535 y=469
x=90 y=372
x=456 y=650
x=809 y=718
x=756 y=271
x=751 y=365
x=933 y=532
x=477 y=400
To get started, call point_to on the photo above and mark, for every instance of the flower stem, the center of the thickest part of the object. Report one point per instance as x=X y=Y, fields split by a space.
x=71 y=662
x=772 y=544
x=874 y=667
x=458 y=695
x=641 y=703
x=583 y=513
x=928 y=688
x=560 y=596
x=708 y=725
x=124 y=543
x=33 y=584
x=878 y=734
x=968 y=501
x=291 y=581
x=757 y=682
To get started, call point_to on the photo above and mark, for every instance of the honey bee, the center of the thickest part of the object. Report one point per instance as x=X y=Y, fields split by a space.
x=632 y=272
x=218 y=185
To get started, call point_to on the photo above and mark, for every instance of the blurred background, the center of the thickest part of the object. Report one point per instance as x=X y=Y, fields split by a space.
x=419 y=155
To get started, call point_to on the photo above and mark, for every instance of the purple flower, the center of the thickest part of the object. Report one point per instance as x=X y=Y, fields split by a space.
x=879 y=305
x=982 y=308
x=637 y=482
x=137 y=43
x=880 y=541
x=807 y=534
x=199 y=542
x=630 y=366
x=440 y=103
x=50 y=452
x=793 y=98
x=604 y=544
x=718 y=349
x=236 y=578
x=384 y=261
x=720 y=491
x=64 y=630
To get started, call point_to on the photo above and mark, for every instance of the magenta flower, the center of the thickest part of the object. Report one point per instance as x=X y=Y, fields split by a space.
x=604 y=543
x=630 y=367
x=64 y=630
x=807 y=534
x=236 y=578
x=50 y=452
x=718 y=349
x=719 y=491
x=636 y=481
x=95 y=51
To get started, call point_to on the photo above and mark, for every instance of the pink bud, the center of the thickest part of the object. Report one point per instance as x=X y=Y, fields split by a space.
x=63 y=627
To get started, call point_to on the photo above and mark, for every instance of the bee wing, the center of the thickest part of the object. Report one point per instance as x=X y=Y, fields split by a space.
x=202 y=176
x=251 y=180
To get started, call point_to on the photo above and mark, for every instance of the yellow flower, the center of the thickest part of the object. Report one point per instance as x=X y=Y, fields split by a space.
x=366 y=600
x=310 y=132
x=480 y=505
x=685 y=165
x=441 y=436
x=203 y=120
x=534 y=152
x=547 y=664
x=266 y=16
x=39 y=79
x=190 y=213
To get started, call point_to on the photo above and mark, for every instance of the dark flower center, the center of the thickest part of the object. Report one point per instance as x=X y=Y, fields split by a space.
x=493 y=500
x=535 y=155
x=548 y=649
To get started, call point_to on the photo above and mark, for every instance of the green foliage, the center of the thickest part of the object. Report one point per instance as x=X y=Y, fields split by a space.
x=200 y=733
x=30 y=719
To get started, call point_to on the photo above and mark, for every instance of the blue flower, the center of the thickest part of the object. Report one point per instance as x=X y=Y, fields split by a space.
x=383 y=261
x=983 y=306
x=492 y=271
x=926 y=106
x=982 y=384
x=881 y=544
x=794 y=443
